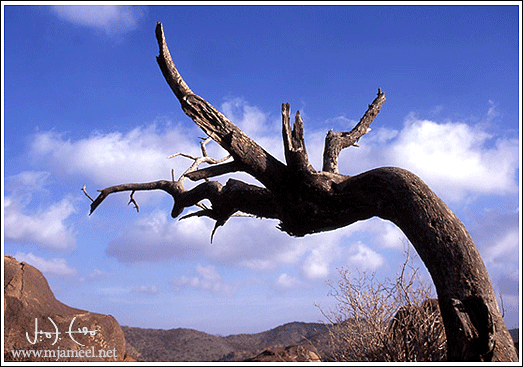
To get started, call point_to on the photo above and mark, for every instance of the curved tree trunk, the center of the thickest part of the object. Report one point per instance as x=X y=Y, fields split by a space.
x=473 y=323
x=307 y=201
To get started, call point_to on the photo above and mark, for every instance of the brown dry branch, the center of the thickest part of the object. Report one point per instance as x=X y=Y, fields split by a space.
x=308 y=201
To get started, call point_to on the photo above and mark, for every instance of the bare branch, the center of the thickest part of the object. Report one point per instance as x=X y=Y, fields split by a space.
x=173 y=188
x=253 y=158
x=213 y=171
x=132 y=201
x=335 y=142
x=170 y=73
x=197 y=161
x=86 y=194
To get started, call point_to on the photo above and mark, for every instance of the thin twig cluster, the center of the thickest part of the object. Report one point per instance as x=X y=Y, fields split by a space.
x=391 y=321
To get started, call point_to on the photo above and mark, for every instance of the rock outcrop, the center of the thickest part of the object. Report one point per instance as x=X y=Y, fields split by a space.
x=293 y=353
x=38 y=327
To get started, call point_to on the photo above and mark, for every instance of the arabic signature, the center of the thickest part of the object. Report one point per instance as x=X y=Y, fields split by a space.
x=49 y=334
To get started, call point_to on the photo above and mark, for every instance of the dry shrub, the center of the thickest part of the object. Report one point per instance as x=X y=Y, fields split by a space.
x=391 y=321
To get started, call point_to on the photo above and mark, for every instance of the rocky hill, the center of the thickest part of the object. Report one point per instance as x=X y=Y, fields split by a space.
x=191 y=345
x=28 y=299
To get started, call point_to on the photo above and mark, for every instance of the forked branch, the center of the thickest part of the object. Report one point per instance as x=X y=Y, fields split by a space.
x=335 y=142
x=247 y=154
x=249 y=157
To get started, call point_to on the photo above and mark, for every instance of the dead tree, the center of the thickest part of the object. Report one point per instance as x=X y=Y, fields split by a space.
x=308 y=201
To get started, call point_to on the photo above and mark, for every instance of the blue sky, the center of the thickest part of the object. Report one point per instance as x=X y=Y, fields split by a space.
x=84 y=102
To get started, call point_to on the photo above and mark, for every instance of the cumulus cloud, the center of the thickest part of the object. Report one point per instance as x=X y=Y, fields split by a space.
x=317 y=263
x=504 y=248
x=137 y=155
x=45 y=227
x=409 y=147
x=28 y=182
x=385 y=234
x=263 y=127
x=363 y=258
x=454 y=158
x=255 y=244
x=245 y=242
x=145 y=289
x=51 y=267
x=208 y=279
x=496 y=233
x=249 y=118
x=285 y=281
x=156 y=237
x=109 y=18
x=98 y=274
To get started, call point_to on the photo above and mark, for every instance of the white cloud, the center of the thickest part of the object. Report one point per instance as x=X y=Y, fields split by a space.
x=263 y=127
x=208 y=279
x=496 y=234
x=391 y=236
x=493 y=112
x=255 y=244
x=503 y=249
x=145 y=289
x=98 y=274
x=106 y=159
x=454 y=158
x=109 y=18
x=385 y=234
x=363 y=258
x=44 y=227
x=249 y=118
x=28 y=182
x=322 y=253
x=316 y=266
x=52 y=267
x=157 y=237
x=245 y=242
x=285 y=281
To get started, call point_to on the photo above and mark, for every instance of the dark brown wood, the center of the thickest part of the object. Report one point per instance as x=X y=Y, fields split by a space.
x=306 y=201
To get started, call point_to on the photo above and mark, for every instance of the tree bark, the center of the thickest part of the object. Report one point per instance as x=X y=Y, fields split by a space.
x=308 y=201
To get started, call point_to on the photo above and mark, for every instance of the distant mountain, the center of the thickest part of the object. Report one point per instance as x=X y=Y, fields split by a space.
x=187 y=345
